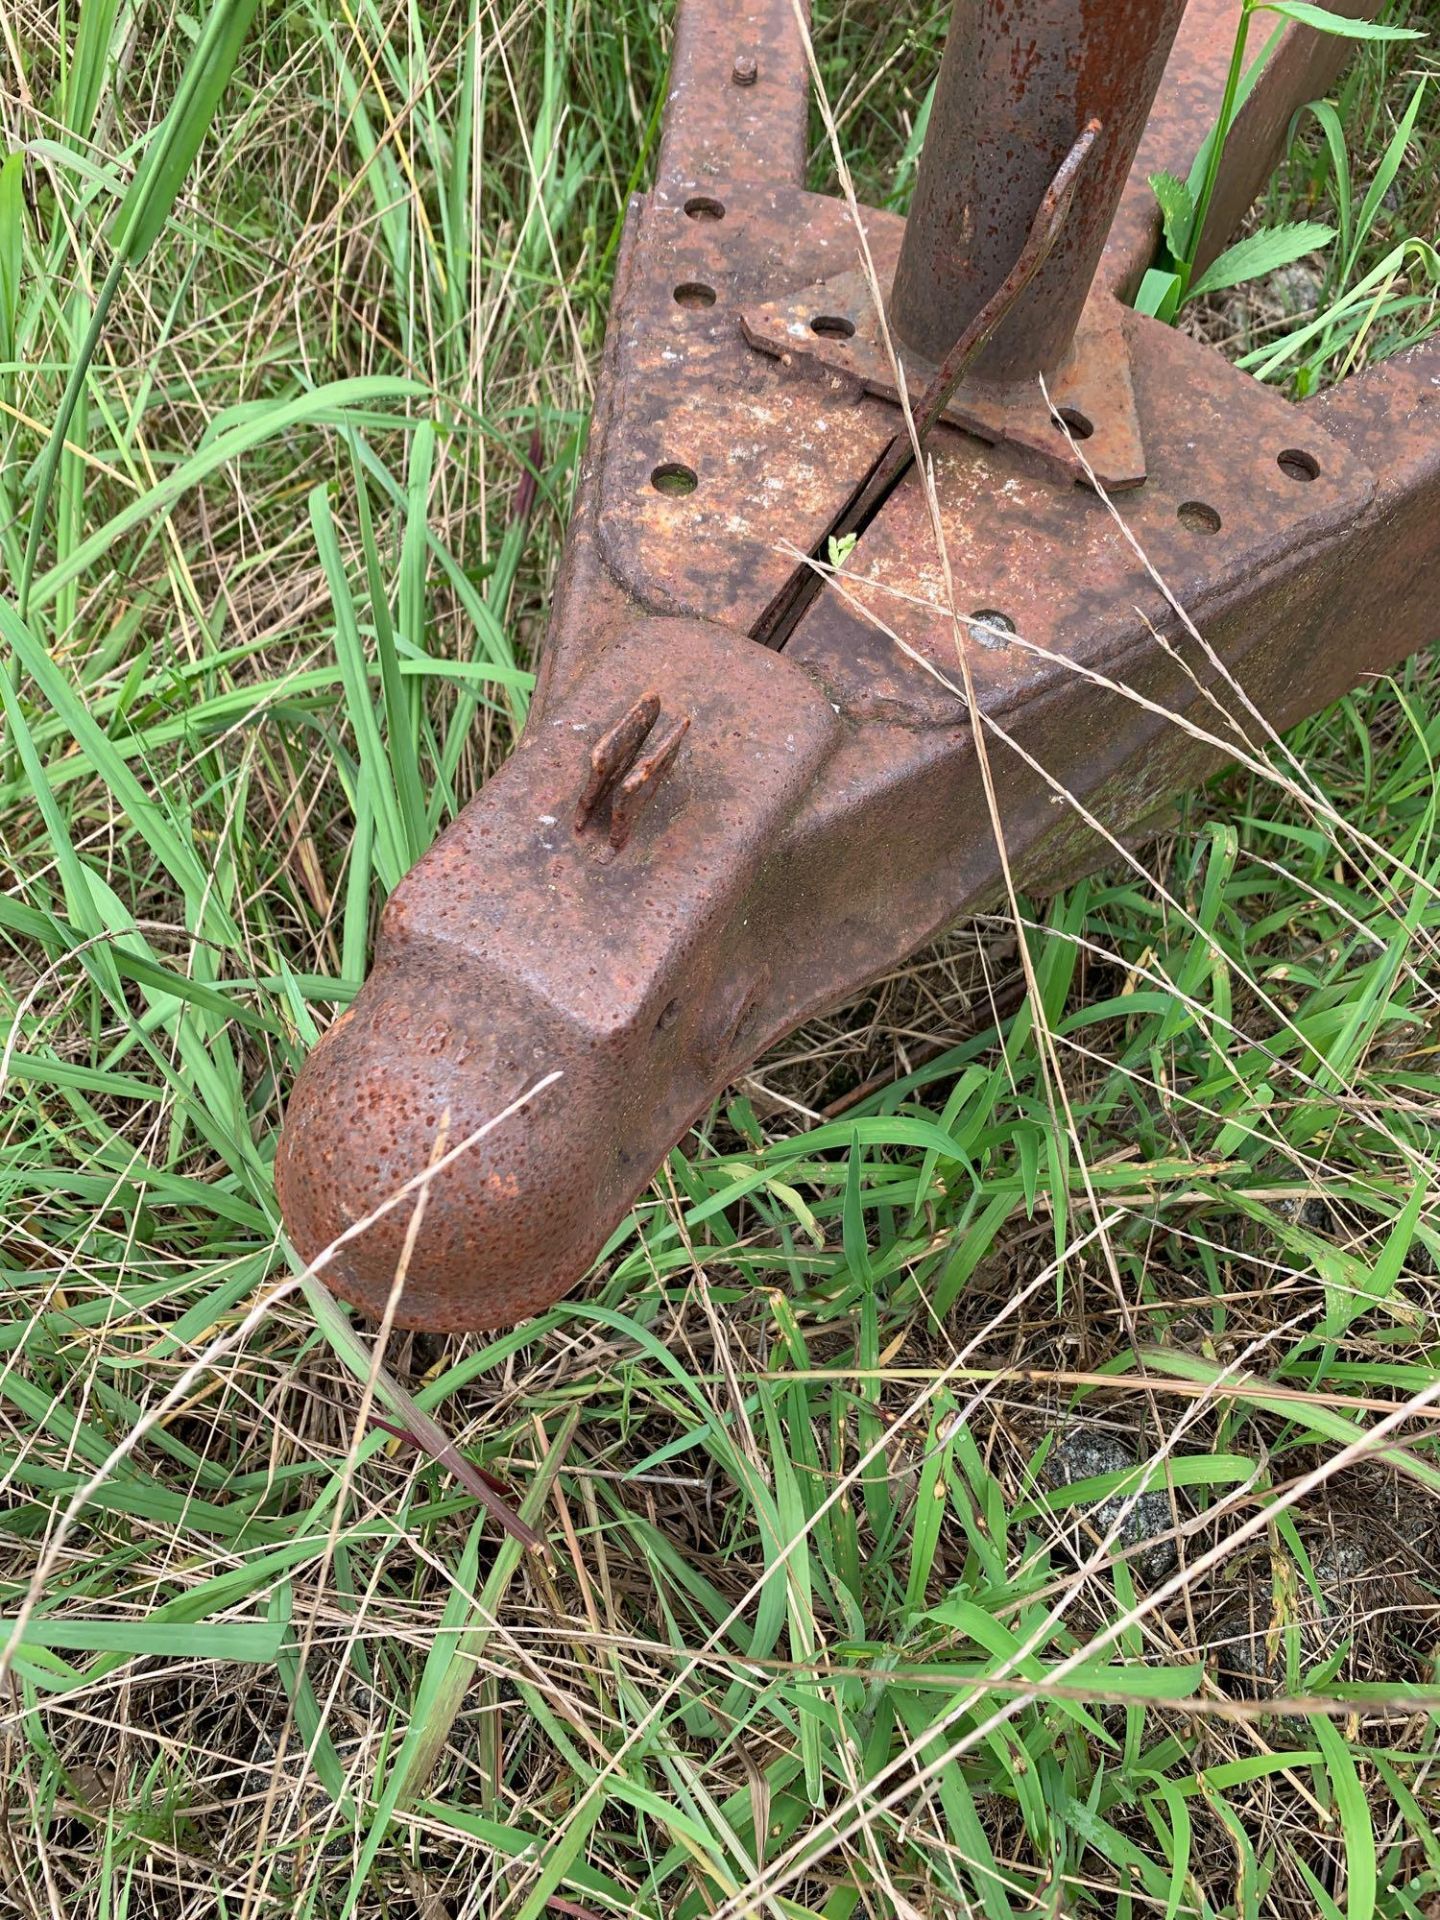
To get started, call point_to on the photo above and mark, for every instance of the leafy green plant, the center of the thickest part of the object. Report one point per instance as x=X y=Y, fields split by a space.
x=1359 y=310
x=1185 y=204
x=814 y=1619
x=142 y=214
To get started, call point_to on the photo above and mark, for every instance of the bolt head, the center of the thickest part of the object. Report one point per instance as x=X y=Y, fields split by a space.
x=746 y=70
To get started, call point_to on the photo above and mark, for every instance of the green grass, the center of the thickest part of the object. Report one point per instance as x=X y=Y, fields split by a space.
x=837 y=1617
x=1361 y=161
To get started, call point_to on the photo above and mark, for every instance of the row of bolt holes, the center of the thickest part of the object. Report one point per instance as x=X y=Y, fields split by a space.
x=692 y=294
x=1196 y=516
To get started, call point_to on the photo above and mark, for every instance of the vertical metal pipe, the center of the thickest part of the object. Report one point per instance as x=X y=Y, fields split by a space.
x=1018 y=81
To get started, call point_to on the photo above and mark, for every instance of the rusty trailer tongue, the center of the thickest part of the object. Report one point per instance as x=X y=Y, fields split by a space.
x=749 y=781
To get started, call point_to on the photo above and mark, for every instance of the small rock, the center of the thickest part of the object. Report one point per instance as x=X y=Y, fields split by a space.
x=1251 y=1634
x=1297 y=288
x=1084 y=1453
x=322 y=1823
x=1420 y=1259
x=1340 y=1560
x=1314 y=1213
x=1191 y=1330
x=1249 y=1656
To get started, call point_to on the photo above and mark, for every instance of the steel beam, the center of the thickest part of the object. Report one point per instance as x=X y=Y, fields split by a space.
x=700 y=840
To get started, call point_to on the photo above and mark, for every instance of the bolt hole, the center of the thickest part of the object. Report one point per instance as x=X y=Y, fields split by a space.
x=669 y=1014
x=1080 y=424
x=702 y=207
x=1296 y=464
x=832 y=326
x=673 y=477
x=1197 y=517
x=694 y=293
x=989 y=628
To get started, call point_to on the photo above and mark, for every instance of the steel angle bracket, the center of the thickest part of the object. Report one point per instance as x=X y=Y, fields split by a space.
x=743 y=792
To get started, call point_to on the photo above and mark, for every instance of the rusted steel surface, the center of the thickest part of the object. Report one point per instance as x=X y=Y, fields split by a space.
x=1382 y=606
x=518 y=947
x=839 y=324
x=1018 y=81
x=1218 y=507
x=738 y=105
x=1092 y=383
x=911 y=441
x=701 y=840
x=752 y=462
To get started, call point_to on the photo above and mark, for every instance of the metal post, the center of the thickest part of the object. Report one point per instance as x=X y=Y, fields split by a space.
x=1018 y=81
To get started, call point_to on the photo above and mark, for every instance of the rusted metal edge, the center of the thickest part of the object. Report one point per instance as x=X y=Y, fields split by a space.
x=811 y=815
x=834 y=324
x=1045 y=230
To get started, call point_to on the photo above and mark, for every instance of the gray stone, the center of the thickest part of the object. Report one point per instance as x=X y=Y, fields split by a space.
x=1313 y=1212
x=1402 y=1519
x=1274 y=1605
x=1083 y=1453
x=1297 y=288
x=1249 y=1654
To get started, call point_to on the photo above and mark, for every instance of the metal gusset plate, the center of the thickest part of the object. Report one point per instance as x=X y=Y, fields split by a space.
x=836 y=324
x=702 y=840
